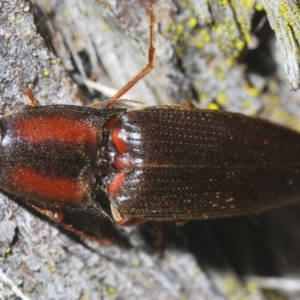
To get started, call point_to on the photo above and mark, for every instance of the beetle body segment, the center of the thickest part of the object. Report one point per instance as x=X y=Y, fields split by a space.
x=198 y=164
x=49 y=156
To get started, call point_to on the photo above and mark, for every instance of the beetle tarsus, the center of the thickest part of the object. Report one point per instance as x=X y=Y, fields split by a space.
x=188 y=104
x=30 y=100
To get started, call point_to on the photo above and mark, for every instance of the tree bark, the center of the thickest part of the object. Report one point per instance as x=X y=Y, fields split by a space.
x=203 y=54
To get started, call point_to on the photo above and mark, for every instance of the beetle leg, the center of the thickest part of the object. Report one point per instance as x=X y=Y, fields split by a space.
x=58 y=217
x=30 y=100
x=188 y=104
x=159 y=242
x=110 y=103
x=150 y=64
x=103 y=2
x=180 y=223
x=104 y=104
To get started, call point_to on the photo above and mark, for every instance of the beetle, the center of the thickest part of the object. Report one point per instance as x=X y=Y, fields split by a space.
x=161 y=163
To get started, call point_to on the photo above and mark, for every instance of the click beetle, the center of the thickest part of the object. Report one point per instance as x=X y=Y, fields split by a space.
x=161 y=163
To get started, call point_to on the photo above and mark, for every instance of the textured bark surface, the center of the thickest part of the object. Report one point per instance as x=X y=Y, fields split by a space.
x=284 y=19
x=49 y=45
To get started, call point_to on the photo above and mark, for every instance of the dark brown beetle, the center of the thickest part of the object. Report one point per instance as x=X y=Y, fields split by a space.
x=161 y=163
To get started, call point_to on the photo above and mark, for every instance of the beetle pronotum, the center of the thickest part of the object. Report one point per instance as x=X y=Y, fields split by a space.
x=161 y=163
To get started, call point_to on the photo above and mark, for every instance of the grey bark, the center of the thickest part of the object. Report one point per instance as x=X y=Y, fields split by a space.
x=49 y=45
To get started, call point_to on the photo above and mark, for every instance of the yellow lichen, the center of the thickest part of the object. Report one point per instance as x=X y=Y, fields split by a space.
x=222 y=99
x=202 y=95
x=246 y=104
x=180 y=29
x=259 y=7
x=46 y=73
x=110 y=290
x=230 y=284
x=223 y=2
x=192 y=22
x=65 y=13
x=252 y=90
x=229 y=61
x=213 y=106
x=220 y=75
x=283 y=8
x=252 y=287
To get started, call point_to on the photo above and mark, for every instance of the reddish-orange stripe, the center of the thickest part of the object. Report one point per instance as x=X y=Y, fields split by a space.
x=122 y=162
x=118 y=140
x=38 y=130
x=60 y=190
x=116 y=185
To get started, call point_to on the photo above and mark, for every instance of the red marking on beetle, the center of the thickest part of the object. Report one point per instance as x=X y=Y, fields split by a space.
x=62 y=190
x=116 y=184
x=38 y=130
x=123 y=162
x=118 y=140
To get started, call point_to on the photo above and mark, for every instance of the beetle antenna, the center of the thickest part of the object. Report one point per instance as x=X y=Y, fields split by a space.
x=150 y=64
